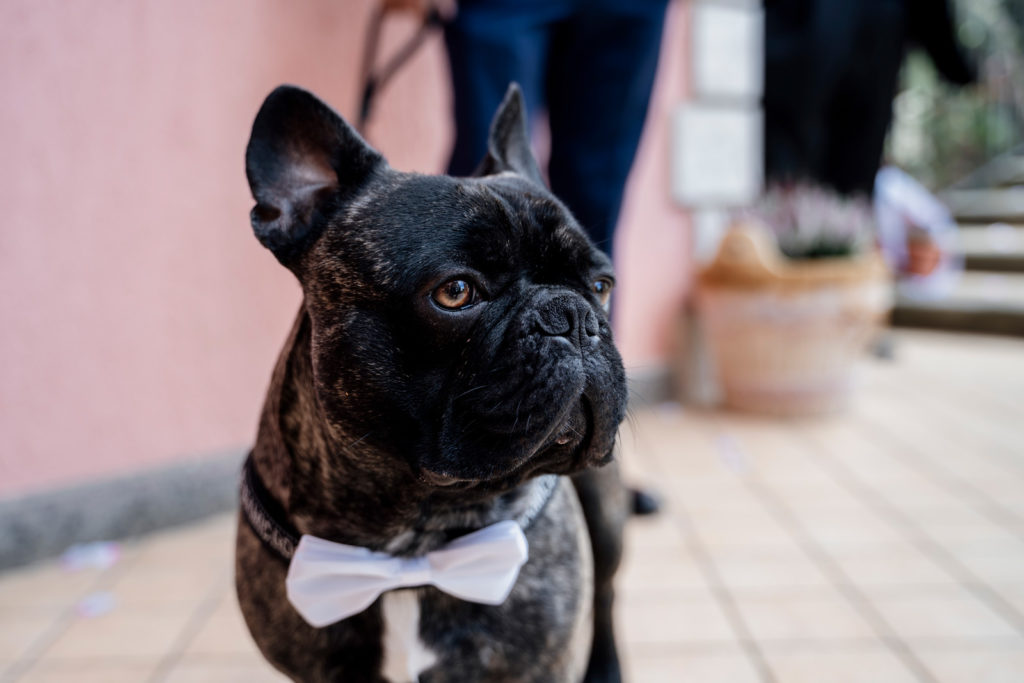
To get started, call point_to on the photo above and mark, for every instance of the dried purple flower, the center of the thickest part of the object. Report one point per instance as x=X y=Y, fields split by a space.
x=810 y=221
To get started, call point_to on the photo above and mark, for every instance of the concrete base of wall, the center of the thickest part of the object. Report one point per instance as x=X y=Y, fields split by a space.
x=43 y=524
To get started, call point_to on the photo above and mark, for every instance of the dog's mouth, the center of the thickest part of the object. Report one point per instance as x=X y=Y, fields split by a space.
x=561 y=449
x=572 y=434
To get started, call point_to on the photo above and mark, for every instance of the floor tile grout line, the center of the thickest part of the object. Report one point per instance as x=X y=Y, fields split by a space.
x=45 y=640
x=1002 y=456
x=717 y=587
x=838 y=578
x=932 y=549
x=1004 y=409
x=846 y=644
x=726 y=602
x=1009 y=466
x=841 y=581
x=943 y=386
x=199 y=617
x=975 y=496
x=39 y=645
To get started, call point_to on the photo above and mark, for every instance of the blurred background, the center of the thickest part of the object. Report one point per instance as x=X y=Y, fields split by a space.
x=820 y=305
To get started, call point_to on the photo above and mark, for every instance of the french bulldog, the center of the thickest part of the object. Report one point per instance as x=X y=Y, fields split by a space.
x=451 y=368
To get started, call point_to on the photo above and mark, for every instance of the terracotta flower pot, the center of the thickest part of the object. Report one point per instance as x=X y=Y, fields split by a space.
x=785 y=334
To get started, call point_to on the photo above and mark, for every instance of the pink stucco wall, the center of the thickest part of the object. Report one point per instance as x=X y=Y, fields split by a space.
x=653 y=239
x=140 y=319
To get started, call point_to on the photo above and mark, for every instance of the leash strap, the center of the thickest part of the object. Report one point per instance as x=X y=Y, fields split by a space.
x=374 y=80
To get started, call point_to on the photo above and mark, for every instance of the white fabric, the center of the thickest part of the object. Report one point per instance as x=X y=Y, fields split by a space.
x=328 y=582
x=903 y=205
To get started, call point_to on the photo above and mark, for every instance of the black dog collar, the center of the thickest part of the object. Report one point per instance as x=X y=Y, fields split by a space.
x=267 y=519
x=265 y=514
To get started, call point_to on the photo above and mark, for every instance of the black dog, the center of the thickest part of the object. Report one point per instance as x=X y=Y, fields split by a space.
x=451 y=360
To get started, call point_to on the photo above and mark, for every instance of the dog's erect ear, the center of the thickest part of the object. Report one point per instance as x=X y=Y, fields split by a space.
x=508 y=144
x=302 y=158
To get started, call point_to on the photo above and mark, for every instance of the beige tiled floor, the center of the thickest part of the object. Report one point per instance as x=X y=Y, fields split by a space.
x=885 y=545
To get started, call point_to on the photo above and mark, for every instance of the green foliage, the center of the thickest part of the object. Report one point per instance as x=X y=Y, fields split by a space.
x=941 y=133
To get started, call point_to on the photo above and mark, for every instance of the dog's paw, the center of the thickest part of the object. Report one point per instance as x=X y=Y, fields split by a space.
x=604 y=665
x=611 y=676
x=644 y=502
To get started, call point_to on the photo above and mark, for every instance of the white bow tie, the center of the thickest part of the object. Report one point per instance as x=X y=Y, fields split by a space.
x=328 y=582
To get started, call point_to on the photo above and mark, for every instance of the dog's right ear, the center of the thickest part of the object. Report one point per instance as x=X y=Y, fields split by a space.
x=302 y=159
x=508 y=143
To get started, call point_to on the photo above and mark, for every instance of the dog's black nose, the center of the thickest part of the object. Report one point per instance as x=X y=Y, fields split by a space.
x=569 y=316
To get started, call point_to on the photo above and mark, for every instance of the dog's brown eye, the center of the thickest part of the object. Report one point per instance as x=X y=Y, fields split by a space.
x=454 y=294
x=603 y=289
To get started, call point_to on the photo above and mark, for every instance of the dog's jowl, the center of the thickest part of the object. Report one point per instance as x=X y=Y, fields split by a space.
x=437 y=439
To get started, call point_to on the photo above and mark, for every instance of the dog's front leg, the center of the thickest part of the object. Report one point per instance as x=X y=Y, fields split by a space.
x=604 y=499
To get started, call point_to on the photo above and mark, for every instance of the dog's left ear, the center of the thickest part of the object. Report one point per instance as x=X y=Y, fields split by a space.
x=303 y=160
x=508 y=144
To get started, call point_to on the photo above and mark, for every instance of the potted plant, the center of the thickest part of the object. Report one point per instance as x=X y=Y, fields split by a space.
x=794 y=294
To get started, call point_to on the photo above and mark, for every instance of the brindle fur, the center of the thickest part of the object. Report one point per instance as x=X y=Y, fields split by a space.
x=390 y=423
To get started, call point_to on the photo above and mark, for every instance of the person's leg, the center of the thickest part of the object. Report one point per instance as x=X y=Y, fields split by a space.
x=808 y=44
x=860 y=111
x=490 y=44
x=601 y=68
x=793 y=94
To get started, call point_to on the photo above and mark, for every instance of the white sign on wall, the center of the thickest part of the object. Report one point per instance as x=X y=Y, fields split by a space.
x=728 y=49
x=717 y=158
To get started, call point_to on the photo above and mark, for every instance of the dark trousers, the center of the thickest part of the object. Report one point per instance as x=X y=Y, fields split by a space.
x=589 y=63
x=831 y=70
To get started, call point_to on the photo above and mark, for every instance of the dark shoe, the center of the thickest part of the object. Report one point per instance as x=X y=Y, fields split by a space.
x=645 y=502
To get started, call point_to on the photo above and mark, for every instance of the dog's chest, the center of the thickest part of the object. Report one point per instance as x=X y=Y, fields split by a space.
x=406 y=656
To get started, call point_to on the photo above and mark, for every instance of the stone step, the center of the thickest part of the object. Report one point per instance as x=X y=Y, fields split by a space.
x=1005 y=170
x=996 y=247
x=1000 y=204
x=990 y=303
x=994 y=192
